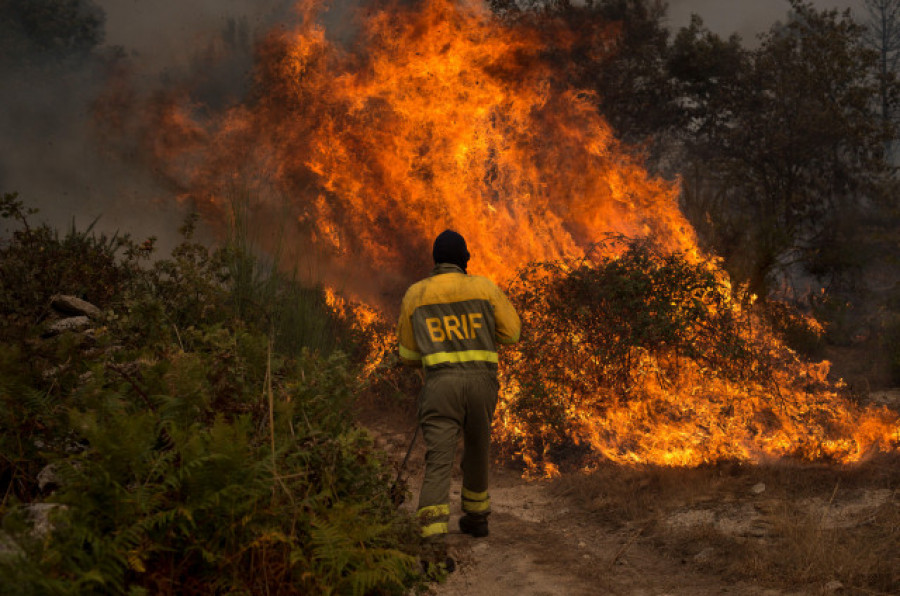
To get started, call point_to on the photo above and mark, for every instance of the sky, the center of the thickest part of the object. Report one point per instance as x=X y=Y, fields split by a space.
x=747 y=18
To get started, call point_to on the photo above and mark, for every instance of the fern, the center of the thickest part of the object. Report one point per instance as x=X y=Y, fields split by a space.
x=168 y=481
x=341 y=551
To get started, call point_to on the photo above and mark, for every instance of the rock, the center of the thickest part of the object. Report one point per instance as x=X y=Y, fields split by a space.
x=50 y=372
x=833 y=586
x=705 y=556
x=47 y=478
x=582 y=544
x=758 y=489
x=69 y=324
x=70 y=305
x=40 y=517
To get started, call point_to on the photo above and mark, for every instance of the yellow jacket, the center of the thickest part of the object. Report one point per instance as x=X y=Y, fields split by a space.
x=455 y=320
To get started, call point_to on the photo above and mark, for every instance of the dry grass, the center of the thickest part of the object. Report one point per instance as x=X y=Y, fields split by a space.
x=787 y=526
x=805 y=548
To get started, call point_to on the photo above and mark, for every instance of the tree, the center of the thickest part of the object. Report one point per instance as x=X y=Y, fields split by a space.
x=615 y=48
x=785 y=145
x=38 y=30
x=883 y=36
x=630 y=77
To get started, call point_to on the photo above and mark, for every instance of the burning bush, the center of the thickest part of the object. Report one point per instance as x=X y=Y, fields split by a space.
x=636 y=355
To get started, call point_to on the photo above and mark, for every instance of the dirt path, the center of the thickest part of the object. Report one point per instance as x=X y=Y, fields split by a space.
x=542 y=544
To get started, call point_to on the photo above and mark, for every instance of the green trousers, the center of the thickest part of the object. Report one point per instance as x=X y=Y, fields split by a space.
x=454 y=402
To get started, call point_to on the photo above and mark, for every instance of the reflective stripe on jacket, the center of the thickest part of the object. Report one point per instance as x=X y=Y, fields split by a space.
x=452 y=319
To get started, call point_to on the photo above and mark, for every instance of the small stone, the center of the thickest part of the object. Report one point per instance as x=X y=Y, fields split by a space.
x=40 y=517
x=50 y=372
x=833 y=586
x=758 y=489
x=69 y=324
x=582 y=544
x=71 y=305
x=48 y=478
x=585 y=556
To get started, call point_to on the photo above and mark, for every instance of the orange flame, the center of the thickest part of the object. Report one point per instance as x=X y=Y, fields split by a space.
x=439 y=116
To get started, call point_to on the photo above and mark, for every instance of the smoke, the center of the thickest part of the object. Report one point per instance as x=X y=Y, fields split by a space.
x=746 y=19
x=51 y=151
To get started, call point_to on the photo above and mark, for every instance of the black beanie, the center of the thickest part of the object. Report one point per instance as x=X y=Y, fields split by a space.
x=450 y=247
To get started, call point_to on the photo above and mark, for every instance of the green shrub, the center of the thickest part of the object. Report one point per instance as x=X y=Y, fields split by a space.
x=192 y=455
x=36 y=263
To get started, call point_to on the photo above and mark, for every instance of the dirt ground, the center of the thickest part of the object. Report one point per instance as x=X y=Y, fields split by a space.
x=745 y=532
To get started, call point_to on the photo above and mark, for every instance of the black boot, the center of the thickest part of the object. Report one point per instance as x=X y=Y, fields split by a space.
x=474 y=525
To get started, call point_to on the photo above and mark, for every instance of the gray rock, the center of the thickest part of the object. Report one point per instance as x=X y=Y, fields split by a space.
x=40 y=517
x=70 y=305
x=50 y=372
x=68 y=324
x=758 y=489
x=47 y=478
x=833 y=587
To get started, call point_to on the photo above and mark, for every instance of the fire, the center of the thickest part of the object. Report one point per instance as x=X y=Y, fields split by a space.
x=440 y=116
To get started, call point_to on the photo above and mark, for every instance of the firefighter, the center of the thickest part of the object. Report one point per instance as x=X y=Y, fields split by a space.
x=450 y=325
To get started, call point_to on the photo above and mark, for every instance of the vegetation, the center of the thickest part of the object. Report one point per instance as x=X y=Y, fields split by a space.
x=651 y=356
x=789 y=142
x=48 y=30
x=597 y=323
x=186 y=442
x=783 y=147
x=779 y=526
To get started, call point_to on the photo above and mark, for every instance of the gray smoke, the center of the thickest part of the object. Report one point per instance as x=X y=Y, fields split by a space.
x=746 y=18
x=50 y=151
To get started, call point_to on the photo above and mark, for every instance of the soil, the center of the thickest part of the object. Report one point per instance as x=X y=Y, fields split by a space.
x=545 y=541
x=542 y=545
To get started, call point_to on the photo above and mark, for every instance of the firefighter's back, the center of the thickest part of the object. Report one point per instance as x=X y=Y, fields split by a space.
x=454 y=320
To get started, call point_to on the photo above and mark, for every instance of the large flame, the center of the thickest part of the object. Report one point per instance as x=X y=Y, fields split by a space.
x=438 y=116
